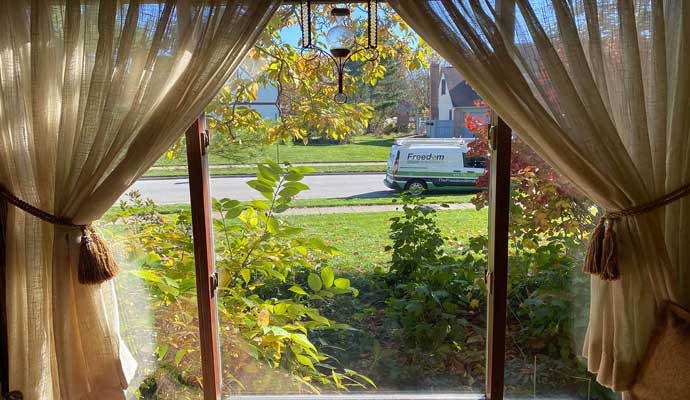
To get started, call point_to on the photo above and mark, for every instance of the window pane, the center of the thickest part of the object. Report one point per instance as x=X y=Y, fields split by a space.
x=338 y=289
x=548 y=294
x=157 y=296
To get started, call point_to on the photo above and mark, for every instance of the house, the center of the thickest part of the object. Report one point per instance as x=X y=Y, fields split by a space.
x=451 y=100
x=266 y=102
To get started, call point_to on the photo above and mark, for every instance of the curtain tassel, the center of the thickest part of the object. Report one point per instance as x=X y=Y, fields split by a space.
x=96 y=261
x=594 y=251
x=602 y=254
x=609 y=257
x=602 y=259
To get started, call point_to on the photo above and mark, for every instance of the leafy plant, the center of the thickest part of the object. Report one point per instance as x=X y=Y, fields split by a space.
x=416 y=237
x=273 y=279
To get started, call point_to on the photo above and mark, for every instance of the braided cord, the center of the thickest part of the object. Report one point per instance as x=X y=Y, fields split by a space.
x=652 y=205
x=37 y=212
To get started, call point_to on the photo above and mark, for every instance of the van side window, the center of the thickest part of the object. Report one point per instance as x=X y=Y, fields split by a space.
x=473 y=162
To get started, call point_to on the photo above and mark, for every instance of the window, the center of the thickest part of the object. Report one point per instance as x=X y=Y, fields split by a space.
x=278 y=339
x=473 y=162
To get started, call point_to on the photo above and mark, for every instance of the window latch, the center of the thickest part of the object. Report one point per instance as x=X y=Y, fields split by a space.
x=214 y=281
x=489 y=281
x=205 y=142
x=492 y=137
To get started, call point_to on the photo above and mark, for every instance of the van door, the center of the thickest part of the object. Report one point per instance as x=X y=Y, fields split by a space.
x=393 y=160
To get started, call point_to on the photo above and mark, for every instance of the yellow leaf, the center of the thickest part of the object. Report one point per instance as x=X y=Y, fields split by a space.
x=264 y=317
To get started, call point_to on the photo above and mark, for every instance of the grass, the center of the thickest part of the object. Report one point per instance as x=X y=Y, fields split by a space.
x=375 y=201
x=361 y=237
x=182 y=171
x=460 y=197
x=362 y=149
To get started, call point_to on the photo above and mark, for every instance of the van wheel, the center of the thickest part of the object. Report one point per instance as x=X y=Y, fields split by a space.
x=415 y=187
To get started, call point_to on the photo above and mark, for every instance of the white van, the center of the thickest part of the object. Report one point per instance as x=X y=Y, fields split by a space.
x=418 y=165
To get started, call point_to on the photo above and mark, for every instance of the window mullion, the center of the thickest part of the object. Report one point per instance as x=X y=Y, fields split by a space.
x=497 y=274
x=197 y=161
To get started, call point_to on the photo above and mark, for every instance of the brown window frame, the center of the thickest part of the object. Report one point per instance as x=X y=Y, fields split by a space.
x=497 y=273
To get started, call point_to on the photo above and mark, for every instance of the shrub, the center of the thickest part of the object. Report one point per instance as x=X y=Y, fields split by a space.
x=416 y=238
x=273 y=277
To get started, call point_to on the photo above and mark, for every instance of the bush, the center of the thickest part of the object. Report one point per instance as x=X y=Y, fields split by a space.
x=416 y=238
x=273 y=279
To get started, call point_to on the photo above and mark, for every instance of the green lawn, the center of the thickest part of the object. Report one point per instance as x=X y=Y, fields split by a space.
x=339 y=202
x=362 y=236
x=460 y=197
x=362 y=149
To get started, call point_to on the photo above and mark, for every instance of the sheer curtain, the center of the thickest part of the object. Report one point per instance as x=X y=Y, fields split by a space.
x=600 y=89
x=91 y=94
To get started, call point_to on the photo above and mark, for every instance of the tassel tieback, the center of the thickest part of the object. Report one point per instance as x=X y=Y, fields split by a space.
x=602 y=254
x=96 y=261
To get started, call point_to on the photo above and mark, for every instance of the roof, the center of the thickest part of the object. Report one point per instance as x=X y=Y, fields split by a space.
x=461 y=93
x=438 y=142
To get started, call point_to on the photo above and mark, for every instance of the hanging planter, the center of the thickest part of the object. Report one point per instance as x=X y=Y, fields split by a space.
x=342 y=45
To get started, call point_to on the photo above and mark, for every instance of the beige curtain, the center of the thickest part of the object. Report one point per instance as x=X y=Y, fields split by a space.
x=91 y=94
x=601 y=90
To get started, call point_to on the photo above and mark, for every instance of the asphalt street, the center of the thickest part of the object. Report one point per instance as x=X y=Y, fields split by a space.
x=172 y=191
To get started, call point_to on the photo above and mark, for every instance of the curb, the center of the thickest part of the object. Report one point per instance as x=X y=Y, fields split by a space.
x=212 y=176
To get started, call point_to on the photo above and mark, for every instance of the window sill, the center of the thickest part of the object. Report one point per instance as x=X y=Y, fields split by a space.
x=364 y=396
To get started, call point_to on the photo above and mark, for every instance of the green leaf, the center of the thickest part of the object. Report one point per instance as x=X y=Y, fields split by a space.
x=161 y=351
x=288 y=192
x=342 y=283
x=180 y=354
x=260 y=204
x=327 y=276
x=267 y=173
x=262 y=188
x=278 y=331
x=274 y=167
x=272 y=225
x=296 y=185
x=246 y=275
x=302 y=340
x=304 y=170
x=293 y=176
x=297 y=289
x=304 y=360
x=148 y=276
x=314 y=282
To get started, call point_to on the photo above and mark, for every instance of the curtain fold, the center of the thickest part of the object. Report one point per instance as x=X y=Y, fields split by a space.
x=600 y=90
x=91 y=94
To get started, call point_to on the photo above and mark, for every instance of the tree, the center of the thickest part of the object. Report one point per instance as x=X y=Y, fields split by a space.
x=307 y=86
x=544 y=203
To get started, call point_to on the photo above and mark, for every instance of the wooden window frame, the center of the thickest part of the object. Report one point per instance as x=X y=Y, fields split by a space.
x=497 y=273
x=204 y=256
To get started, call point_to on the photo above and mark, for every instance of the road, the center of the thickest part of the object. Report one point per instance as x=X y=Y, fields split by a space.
x=172 y=191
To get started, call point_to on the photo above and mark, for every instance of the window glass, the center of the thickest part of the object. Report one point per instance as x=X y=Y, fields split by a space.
x=156 y=292
x=333 y=282
x=548 y=294
x=474 y=161
x=443 y=86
